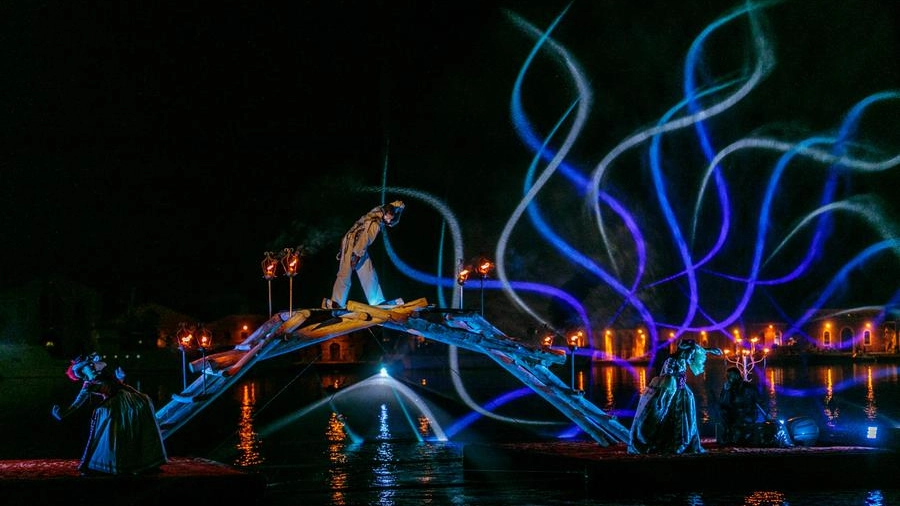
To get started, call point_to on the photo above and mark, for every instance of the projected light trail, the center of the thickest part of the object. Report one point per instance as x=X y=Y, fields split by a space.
x=665 y=254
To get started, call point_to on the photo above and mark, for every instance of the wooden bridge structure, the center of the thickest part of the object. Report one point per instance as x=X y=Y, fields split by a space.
x=291 y=331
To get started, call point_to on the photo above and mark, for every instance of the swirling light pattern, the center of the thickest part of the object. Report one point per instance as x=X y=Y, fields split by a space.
x=674 y=258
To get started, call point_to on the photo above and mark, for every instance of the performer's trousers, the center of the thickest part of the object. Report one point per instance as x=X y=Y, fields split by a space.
x=368 y=279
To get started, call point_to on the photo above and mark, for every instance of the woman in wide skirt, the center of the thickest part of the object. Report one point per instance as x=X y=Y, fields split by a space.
x=124 y=436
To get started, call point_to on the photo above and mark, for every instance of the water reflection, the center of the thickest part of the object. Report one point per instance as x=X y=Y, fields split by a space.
x=313 y=459
x=771 y=399
x=424 y=426
x=642 y=380
x=832 y=412
x=765 y=498
x=248 y=440
x=337 y=479
x=871 y=409
x=335 y=381
x=875 y=498
x=384 y=480
x=353 y=405
x=387 y=465
x=610 y=400
x=830 y=394
x=827 y=393
x=835 y=395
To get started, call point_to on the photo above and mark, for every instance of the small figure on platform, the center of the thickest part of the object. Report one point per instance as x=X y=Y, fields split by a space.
x=665 y=421
x=738 y=408
x=354 y=256
x=124 y=436
x=745 y=423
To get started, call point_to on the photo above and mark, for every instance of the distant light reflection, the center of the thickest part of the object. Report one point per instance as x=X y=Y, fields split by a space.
x=384 y=466
x=772 y=398
x=424 y=426
x=765 y=498
x=610 y=405
x=337 y=477
x=871 y=407
x=831 y=412
x=248 y=440
x=875 y=498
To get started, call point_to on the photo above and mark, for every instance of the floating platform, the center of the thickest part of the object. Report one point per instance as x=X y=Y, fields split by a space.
x=183 y=481
x=611 y=470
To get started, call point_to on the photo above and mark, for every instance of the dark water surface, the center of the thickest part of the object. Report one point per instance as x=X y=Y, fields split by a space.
x=349 y=437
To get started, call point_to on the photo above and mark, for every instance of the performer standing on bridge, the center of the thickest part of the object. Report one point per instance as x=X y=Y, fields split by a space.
x=124 y=437
x=354 y=256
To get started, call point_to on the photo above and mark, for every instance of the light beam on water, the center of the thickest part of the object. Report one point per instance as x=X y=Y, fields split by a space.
x=405 y=398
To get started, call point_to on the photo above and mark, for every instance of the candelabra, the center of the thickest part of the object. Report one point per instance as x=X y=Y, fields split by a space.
x=746 y=357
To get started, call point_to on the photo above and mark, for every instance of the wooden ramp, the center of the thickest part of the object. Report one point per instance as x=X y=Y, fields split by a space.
x=283 y=333
x=531 y=365
x=288 y=332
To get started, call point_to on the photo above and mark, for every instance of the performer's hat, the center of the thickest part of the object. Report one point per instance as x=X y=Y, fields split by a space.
x=75 y=372
x=395 y=208
x=690 y=344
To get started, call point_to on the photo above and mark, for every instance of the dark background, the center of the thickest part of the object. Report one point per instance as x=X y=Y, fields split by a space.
x=155 y=150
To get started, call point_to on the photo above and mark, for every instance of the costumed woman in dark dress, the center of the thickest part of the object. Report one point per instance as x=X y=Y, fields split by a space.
x=124 y=437
x=665 y=421
x=743 y=420
x=738 y=408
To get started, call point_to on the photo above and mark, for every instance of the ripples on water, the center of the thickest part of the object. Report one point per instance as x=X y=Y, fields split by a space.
x=360 y=448
x=432 y=474
x=364 y=448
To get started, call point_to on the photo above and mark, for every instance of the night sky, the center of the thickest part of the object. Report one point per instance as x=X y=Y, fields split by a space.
x=156 y=150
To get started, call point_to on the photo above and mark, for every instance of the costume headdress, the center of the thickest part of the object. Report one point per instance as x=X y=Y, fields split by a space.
x=75 y=371
x=690 y=344
x=395 y=208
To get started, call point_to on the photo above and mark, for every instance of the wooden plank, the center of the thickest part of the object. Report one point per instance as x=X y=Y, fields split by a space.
x=292 y=331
